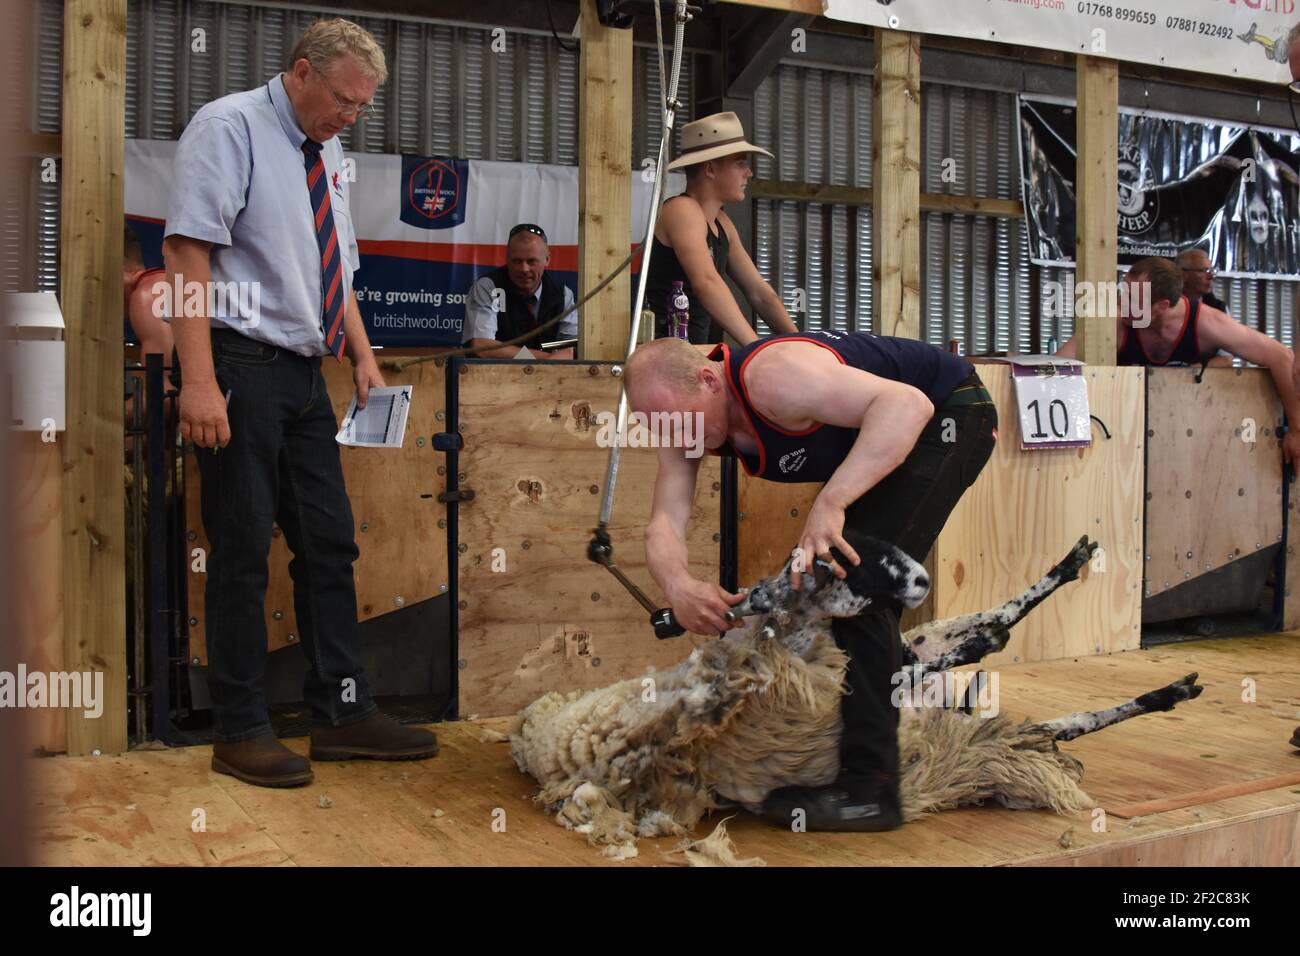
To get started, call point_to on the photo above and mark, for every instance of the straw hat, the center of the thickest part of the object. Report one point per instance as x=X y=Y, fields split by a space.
x=712 y=138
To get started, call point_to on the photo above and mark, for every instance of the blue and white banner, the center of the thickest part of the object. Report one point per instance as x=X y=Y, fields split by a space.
x=427 y=228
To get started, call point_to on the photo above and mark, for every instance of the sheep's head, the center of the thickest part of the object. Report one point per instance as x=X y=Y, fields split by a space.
x=884 y=573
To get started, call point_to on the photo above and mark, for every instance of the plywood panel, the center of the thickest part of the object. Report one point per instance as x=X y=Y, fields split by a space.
x=1213 y=494
x=400 y=524
x=535 y=614
x=37 y=521
x=1028 y=508
x=772 y=516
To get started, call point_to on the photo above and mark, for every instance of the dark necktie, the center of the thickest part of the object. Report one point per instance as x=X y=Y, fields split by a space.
x=328 y=242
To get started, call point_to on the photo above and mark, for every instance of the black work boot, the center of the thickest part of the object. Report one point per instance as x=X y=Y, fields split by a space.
x=375 y=738
x=841 y=806
x=1295 y=739
x=262 y=761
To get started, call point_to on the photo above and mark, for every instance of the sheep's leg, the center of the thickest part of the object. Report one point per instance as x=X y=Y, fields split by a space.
x=1076 y=725
x=929 y=644
x=974 y=647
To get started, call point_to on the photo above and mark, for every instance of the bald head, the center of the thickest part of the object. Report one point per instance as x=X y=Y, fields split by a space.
x=669 y=366
x=672 y=376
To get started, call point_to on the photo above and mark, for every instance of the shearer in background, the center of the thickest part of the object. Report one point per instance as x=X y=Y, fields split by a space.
x=1169 y=328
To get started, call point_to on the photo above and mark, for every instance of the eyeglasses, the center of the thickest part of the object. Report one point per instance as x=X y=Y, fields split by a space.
x=528 y=227
x=345 y=108
x=1209 y=271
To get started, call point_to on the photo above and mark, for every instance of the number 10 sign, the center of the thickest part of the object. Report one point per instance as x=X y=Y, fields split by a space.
x=1053 y=405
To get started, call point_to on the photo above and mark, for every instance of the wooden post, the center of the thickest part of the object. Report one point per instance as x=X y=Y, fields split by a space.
x=1096 y=224
x=604 y=184
x=896 y=87
x=94 y=140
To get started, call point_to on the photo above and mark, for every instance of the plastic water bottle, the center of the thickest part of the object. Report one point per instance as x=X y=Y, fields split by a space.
x=679 y=311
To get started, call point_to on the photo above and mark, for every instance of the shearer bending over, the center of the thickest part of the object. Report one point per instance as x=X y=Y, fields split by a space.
x=897 y=430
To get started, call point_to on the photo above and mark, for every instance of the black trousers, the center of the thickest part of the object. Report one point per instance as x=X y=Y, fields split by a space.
x=908 y=508
x=281 y=467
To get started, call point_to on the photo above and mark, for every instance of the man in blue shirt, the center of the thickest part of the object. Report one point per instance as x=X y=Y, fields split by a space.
x=259 y=237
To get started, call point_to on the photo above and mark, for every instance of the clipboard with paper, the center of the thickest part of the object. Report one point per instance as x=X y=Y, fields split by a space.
x=382 y=423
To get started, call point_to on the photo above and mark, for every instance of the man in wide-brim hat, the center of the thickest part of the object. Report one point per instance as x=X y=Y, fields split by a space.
x=695 y=242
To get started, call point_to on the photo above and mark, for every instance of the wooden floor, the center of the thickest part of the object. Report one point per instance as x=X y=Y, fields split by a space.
x=146 y=807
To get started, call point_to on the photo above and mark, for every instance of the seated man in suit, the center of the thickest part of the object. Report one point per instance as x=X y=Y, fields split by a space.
x=517 y=297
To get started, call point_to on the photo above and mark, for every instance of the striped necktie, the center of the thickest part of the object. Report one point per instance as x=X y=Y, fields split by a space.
x=327 y=240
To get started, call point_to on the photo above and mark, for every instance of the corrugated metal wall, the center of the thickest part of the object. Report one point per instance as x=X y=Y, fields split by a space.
x=818 y=123
x=453 y=90
x=975 y=273
x=465 y=91
x=470 y=92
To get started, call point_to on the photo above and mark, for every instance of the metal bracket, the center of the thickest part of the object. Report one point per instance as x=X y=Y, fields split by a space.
x=448 y=441
x=460 y=494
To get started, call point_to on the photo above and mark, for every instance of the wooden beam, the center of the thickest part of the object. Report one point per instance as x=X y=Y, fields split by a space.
x=604 y=184
x=1097 y=179
x=781 y=189
x=896 y=86
x=972 y=205
x=94 y=139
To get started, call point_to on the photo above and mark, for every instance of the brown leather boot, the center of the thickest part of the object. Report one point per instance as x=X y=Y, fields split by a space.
x=262 y=761
x=374 y=738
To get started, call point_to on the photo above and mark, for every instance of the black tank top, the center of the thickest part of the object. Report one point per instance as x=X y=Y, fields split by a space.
x=1187 y=350
x=665 y=268
x=813 y=455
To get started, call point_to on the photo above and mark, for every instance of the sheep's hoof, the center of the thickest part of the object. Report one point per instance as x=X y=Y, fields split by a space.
x=1185 y=688
x=1072 y=563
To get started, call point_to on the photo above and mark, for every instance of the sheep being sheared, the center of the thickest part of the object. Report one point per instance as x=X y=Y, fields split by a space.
x=759 y=709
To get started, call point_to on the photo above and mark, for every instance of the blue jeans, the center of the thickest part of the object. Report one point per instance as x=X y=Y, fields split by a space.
x=282 y=466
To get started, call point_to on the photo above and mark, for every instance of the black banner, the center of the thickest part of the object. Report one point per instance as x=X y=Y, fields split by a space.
x=1230 y=190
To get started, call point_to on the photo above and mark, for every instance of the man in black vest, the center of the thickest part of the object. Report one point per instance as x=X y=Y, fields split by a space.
x=518 y=297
